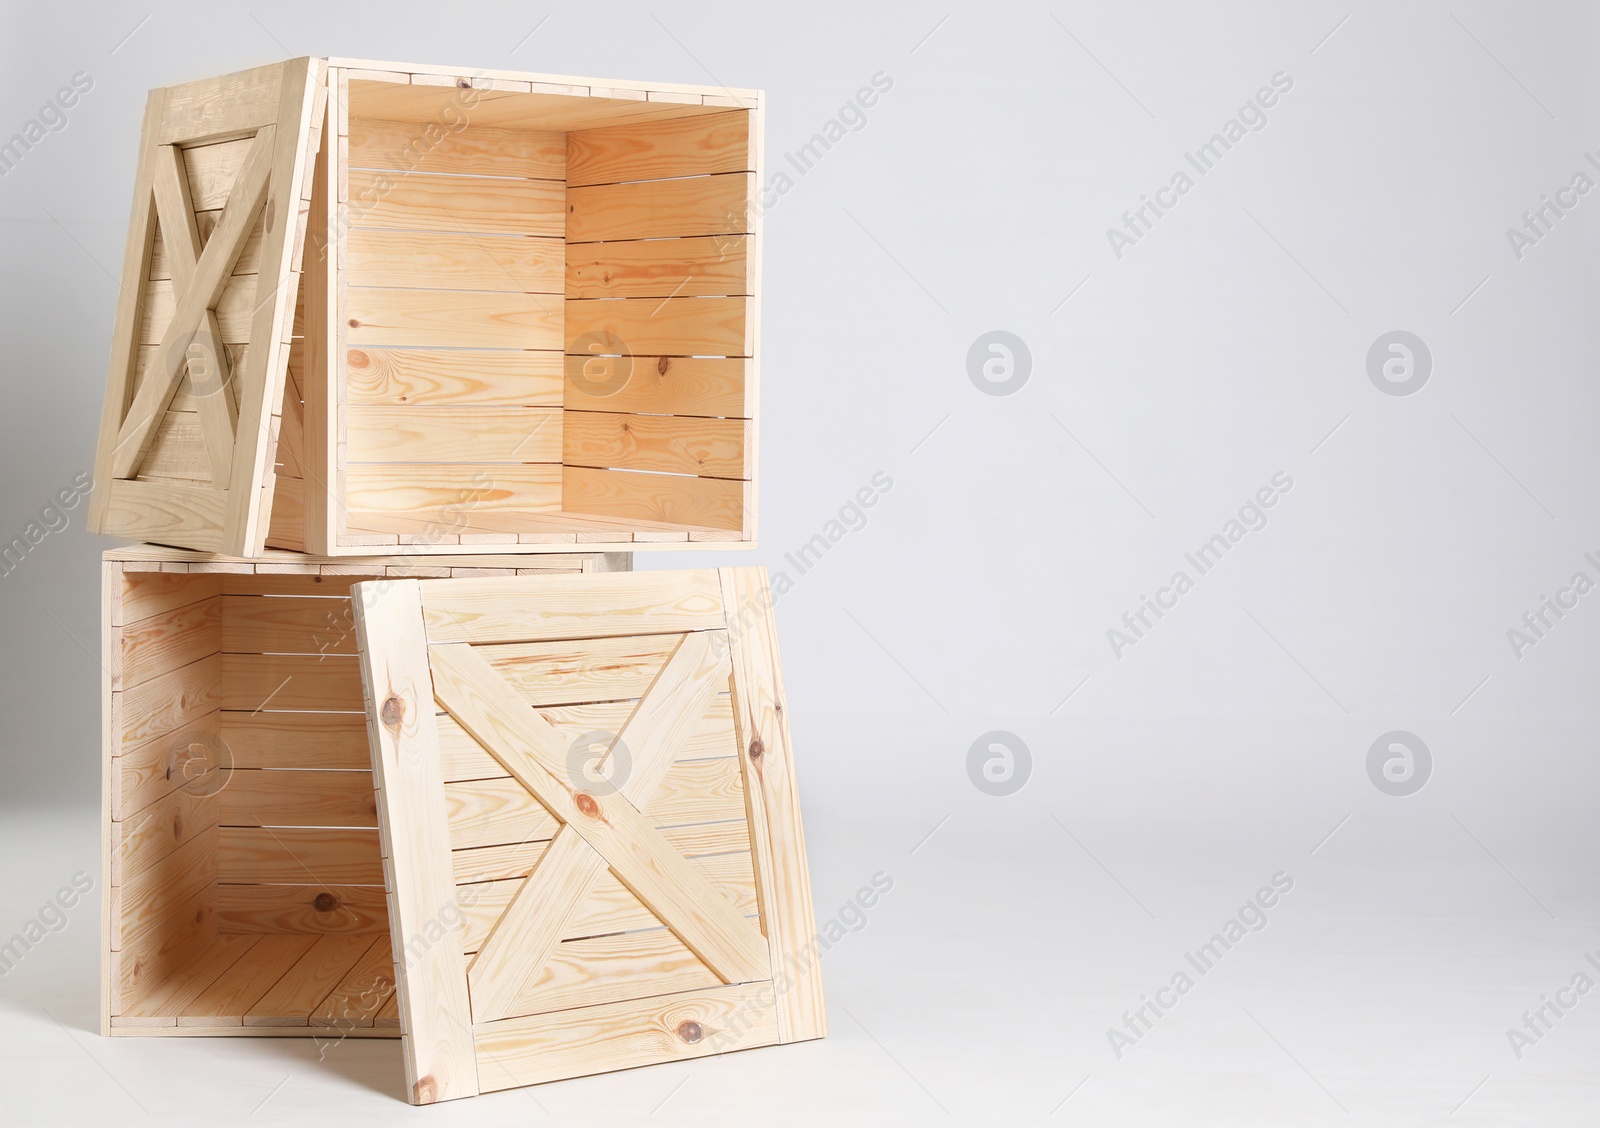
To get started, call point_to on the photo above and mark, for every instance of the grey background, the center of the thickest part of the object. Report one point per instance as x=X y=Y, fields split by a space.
x=1166 y=387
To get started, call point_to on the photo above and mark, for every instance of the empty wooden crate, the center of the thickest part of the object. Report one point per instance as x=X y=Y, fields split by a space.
x=370 y=305
x=244 y=883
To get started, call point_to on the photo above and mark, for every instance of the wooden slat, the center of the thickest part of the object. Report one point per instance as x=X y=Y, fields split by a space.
x=298 y=798
x=457 y=147
x=660 y=385
x=717 y=503
x=166 y=510
x=146 y=901
x=252 y=975
x=767 y=757
x=291 y=1000
x=296 y=740
x=594 y=1039
x=605 y=969
x=302 y=910
x=434 y=1010
x=421 y=377
x=452 y=260
x=454 y=434
x=663 y=327
x=667 y=209
x=151 y=957
x=568 y=607
x=166 y=702
x=495 y=812
x=364 y=991
x=454 y=318
x=661 y=268
x=163 y=642
x=212 y=170
x=425 y=202
x=177 y=450
x=522 y=740
x=149 y=771
x=698 y=791
x=150 y=593
x=692 y=146
x=714 y=448
x=299 y=856
x=435 y=498
x=177 y=994
x=249 y=258
x=582 y=670
x=292 y=625
x=290 y=682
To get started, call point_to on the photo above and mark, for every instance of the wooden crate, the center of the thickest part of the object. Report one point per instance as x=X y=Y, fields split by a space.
x=591 y=831
x=244 y=887
x=371 y=306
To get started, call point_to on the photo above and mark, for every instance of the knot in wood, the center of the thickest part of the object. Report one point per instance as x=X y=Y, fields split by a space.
x=325 y=903
x=689 y=1030
x=586 y=804
x=393 y=711
x=662 y=365
x=757 y=749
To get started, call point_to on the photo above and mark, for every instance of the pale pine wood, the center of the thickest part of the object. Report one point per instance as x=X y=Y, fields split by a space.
x=714 y=448
x=451 y=318
x=435 y=498
x=419 y=377
x=296 y=740
x=689 y=146
x=434 y=1010
x=165 y=641
x=306 y=910
x=495 y=812
x=236 y=991
x=292 y=625
x=660 y=385
x=460 y=149
x=716 y=503
x=594 y=606
x=422 y=201
x=478 y=698
x=528 y=1051
x=290 y=682
x=253 y=855
x=298 y=798
x=766 y=754
x=661 y=268
x=663 y=327
x=300 y=992
x=713 y=205
x=456 y=260
x=454 y=434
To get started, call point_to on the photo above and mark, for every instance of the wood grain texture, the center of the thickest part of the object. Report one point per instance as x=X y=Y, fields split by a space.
x=661 y=268
x=601 y=605
x=302 y=910
x=690 y=146
x=767 y=758
x=425 y=202
x=711 y=503
x=666 y=209
x=438 y=499
x=451 y=318
x=683 y=327
x=454 y=434
x=455 y=260
x=660 y=385
x=422 y=377
x=434 y=1009
x=715 y=448
x=456 y=146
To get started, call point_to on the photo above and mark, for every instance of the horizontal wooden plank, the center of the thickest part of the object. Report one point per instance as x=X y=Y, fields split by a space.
x=254 y=624
x=425 y=202
x=355 y=1003
x=690 y=146
x=495 y=812
x=296 y=740
x=456 y=146
x=235 y=992
x=455 y=260
x=253 y=797
x=716 y=448
x=608 y=907
x=249 y=261
x=235 y=309
x=660 y=385
x=150 y=958
x=257 y=855
x=664 y=327
x=661 y=268
x=291 y=682
x=453 y=434
x=160 y=643
x=150 y=593
x=586 y=670
x=602 y=605
x=145 y=772
x=213 y=169
x=661 y=209
x=697 y=791
x=594 y=1039
x=305 y=910
x=149 y=834
x=454 y=319
x=716 y=503
x=177 y=994
x=493 y=863
x=422 y=377
x=432 y=499
x=165 y=509
x=146 y=901
x=606 y=969
x=167 y=702
x=178 y=449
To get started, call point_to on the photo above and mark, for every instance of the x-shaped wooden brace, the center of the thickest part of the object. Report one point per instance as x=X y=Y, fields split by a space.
x=599 y=831
x=198 y=279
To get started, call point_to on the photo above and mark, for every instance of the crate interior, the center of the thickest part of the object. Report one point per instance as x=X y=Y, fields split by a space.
x=247 y=883
x=548 y=319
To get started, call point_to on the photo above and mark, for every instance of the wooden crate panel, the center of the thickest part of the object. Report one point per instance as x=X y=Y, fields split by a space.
x=661 y=268
x=715 y=448
x=468 y=150
x=259 y=855
x=454 y=434
x=454 y=260
x=440 y=498
x=298 y=798
x=712 y=503
x=422 y=377
x=253 y=624
x=691 y=146
x=483 y=205
x=664 y=327
x=666 y=209
x=453 y=319
x=290 y=682
x=660 y=385
x=296 y=740
x=309 y=910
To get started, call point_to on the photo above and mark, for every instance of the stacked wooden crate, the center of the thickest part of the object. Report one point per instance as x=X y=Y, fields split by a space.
x=387 y=324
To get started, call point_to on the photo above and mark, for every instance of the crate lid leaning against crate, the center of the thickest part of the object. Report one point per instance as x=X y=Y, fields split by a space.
x=370 y=305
